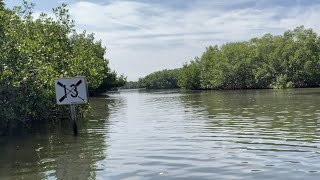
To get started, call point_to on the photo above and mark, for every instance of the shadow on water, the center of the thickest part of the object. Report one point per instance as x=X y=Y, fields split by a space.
x=293 y=111
x=51 y=151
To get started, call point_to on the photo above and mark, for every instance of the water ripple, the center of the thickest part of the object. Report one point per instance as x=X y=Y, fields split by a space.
x=257 y=134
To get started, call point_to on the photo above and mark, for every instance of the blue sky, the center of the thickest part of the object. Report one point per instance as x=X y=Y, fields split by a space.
x=143 y=36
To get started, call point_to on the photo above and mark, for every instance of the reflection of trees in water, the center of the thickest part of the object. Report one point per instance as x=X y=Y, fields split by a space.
x=52 y=150
x=292 y=111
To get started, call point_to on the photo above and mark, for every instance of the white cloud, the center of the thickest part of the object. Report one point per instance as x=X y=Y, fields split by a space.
x=142 y=37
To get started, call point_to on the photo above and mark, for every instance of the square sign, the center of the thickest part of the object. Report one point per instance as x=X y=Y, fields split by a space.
x=71 y=91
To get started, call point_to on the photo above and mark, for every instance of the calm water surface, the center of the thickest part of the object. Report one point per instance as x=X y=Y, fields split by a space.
x=255 y=134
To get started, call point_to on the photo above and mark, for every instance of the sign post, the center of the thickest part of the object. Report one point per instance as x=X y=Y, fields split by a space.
x=72 y=91
x=74 y=118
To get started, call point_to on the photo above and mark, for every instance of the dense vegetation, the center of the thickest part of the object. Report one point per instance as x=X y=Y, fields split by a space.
x=35 y=52
x=165 y=79
x=283 y=61
x=131 y=85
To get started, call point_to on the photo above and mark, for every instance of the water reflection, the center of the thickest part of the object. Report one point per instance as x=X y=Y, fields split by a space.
x=51 y=152
x=256 y=134
x=263 y=111
x=266 y=131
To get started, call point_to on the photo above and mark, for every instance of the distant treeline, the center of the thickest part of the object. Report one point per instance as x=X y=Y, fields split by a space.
x=165 y=79
x=131 y=85
x=291 y=60
x=36 y=51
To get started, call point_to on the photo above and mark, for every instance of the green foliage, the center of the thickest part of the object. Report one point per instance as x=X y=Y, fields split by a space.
x=189 y=76
x=282 y=82
x=165 y=79
x=131 y=85
x=110 y=82
x=286 y=61
x=35 y=52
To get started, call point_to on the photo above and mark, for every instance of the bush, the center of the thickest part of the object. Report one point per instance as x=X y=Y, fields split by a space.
x=35 y=52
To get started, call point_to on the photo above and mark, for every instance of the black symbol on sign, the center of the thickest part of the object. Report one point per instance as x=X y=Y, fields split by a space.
x=73 y=90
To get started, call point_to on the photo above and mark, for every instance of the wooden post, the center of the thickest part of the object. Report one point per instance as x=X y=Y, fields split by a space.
x=74 y=119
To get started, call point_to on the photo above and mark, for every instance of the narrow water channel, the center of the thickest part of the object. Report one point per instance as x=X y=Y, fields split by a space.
x=254 y=134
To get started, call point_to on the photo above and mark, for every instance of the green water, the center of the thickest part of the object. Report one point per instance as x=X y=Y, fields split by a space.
x=254 y=134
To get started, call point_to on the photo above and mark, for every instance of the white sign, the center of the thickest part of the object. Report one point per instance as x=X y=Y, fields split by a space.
x=71 y=91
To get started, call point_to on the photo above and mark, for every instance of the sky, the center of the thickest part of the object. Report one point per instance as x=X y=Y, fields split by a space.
x=143 y=36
